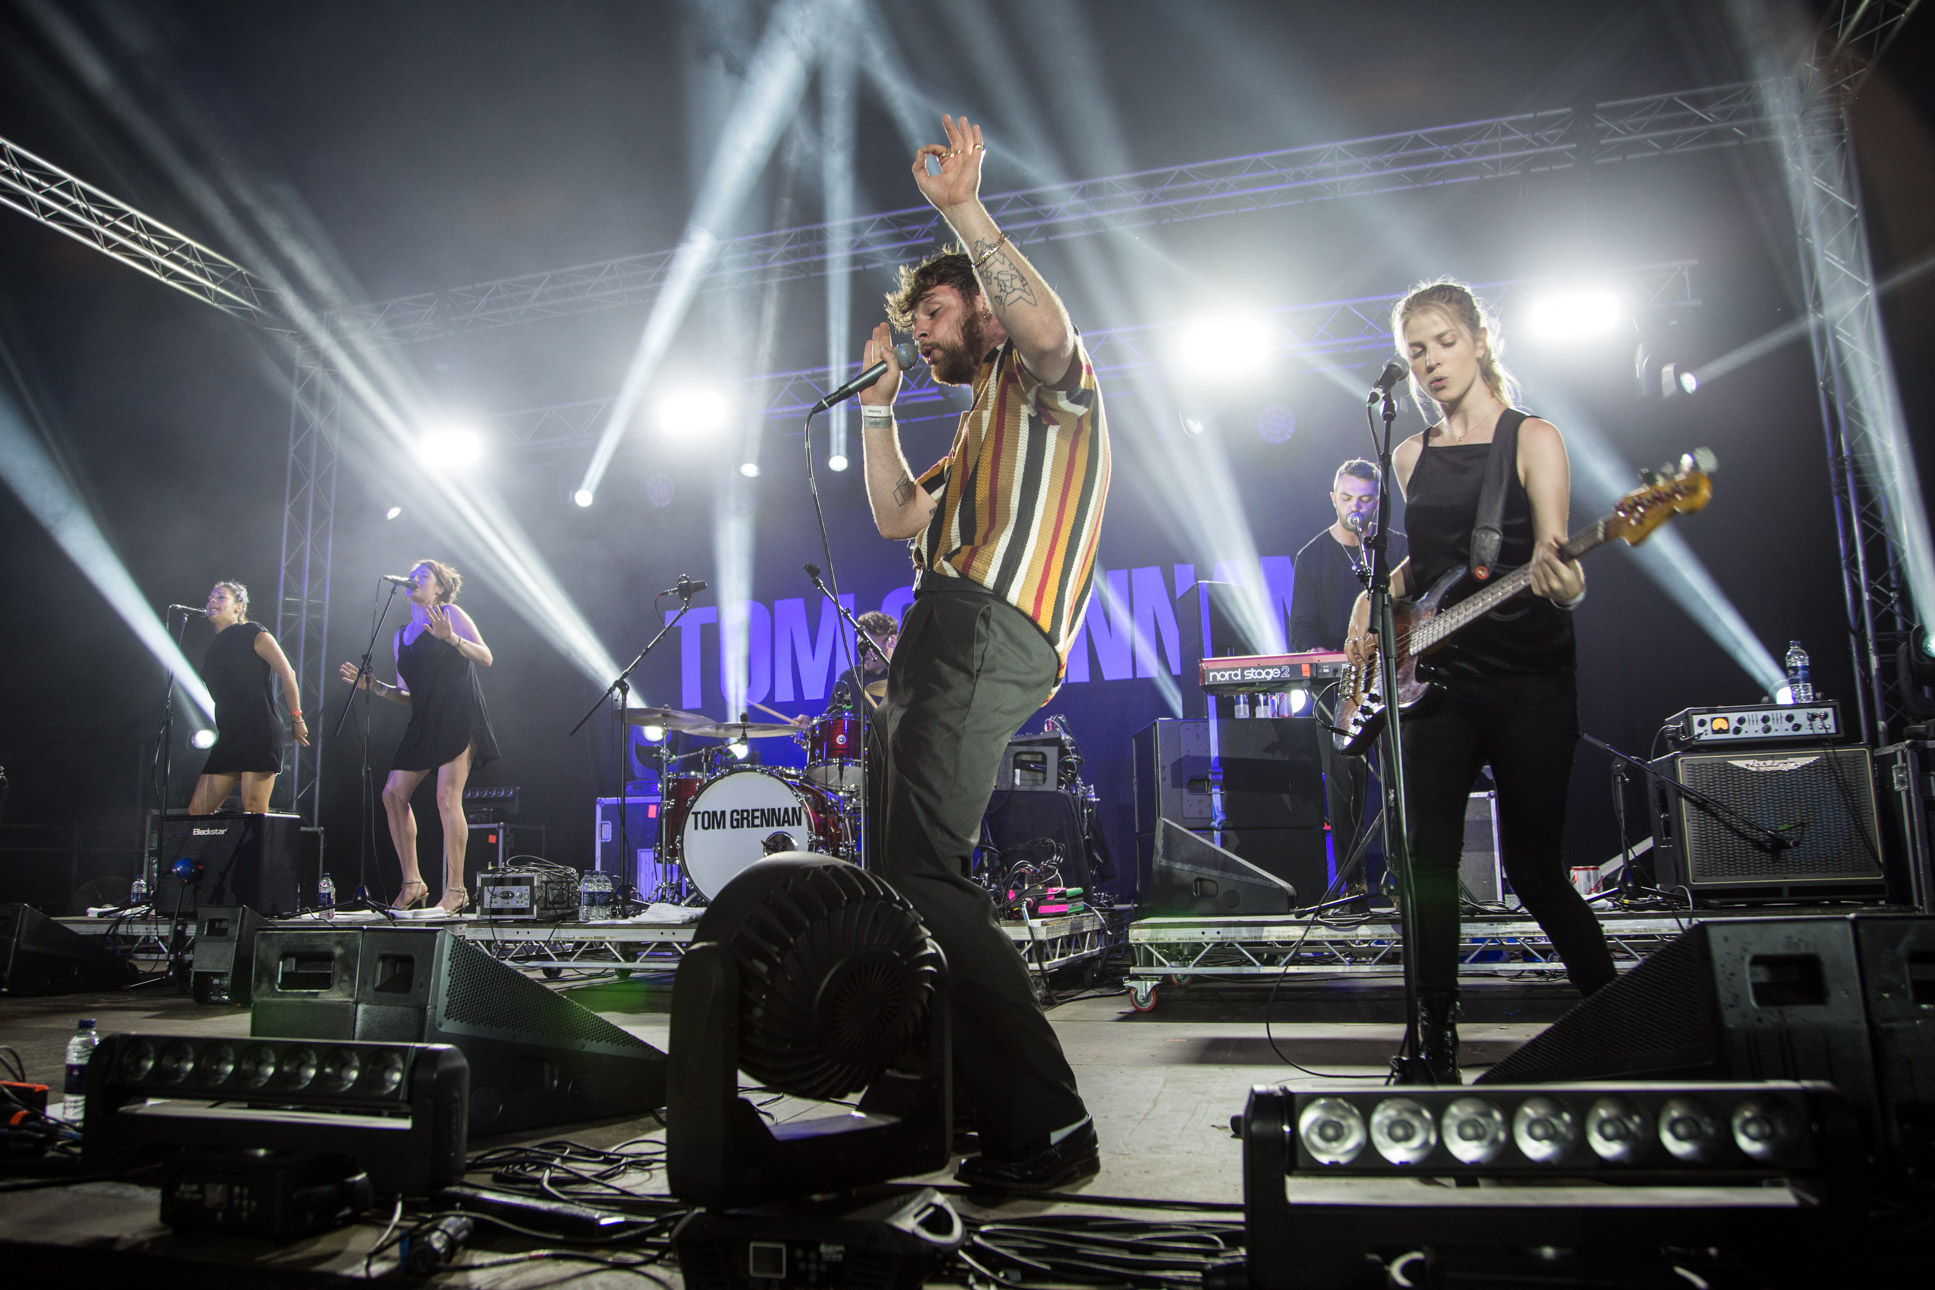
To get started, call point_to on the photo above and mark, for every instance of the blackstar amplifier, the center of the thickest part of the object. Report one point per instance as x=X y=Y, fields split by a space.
x=234 y=858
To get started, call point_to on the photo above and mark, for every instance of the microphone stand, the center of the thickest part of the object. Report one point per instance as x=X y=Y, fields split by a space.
x=866 y=712
x=1409 y=1066
x=361 y=900
x=164 y=758
x=619 y=691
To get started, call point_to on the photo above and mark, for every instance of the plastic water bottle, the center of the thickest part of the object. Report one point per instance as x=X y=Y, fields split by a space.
x=594 y=897
x=79 y=1049
x=326 y=893
x=138 y=890
x=1800 y=683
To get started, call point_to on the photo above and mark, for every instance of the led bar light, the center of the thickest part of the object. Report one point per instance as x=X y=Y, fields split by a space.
x=400 y=1110
x=1659 y=1132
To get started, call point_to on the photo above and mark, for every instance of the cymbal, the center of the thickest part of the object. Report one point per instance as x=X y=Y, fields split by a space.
x=670 y=718
x=742 y=729
x=877 y=689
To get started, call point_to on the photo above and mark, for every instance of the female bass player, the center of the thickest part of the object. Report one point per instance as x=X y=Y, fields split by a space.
x=437 y=653
x=1508 y=692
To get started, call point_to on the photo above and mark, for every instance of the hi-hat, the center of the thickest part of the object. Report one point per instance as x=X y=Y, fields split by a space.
x=669 y=718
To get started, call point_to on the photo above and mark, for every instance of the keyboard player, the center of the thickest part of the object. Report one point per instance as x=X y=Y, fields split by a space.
x=1325 y=587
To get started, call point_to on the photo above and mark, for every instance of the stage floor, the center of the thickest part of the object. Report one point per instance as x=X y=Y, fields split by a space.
x=1162 y=1087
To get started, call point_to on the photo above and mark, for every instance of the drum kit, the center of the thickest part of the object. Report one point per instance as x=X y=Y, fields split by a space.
x=717 y=818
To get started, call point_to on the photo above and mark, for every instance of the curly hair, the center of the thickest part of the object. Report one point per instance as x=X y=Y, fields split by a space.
x=449 y=581
x=1456 y=301
x=948 y=267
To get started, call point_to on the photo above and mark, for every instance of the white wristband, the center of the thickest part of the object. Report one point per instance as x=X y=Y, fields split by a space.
x=875 y=417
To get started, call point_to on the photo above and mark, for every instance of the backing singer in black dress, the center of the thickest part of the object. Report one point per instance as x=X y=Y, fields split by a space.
x=437 y=653
x=240 y=668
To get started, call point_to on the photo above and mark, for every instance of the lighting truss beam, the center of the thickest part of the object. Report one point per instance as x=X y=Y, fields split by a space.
x=1504 y=147
x=1331 y=327
x=1862 y=31
x=308 y=530
x=43 y=191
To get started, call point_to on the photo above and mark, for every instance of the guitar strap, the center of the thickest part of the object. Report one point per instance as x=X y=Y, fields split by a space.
x=1500 y=464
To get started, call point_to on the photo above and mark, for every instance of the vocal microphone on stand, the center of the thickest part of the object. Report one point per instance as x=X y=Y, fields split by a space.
x=904 y=356
x=1394 y=371
x=187 y=609
x=684 y=588
x=398 y=580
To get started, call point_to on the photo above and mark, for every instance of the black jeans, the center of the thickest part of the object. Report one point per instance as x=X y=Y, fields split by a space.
x=1526 y=727
x=968 y=670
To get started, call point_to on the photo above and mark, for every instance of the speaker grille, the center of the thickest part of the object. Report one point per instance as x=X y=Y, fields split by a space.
x=1823 y=798
x=487 y=998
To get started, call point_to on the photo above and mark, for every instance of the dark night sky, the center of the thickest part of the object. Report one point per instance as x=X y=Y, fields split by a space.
x=424 y=145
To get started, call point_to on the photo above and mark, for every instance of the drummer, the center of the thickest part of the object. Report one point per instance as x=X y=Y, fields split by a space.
x=863 y=687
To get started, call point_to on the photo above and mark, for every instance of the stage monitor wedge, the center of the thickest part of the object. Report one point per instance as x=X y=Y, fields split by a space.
x=536 y=1058
x=39 y=956
x=1192 y=875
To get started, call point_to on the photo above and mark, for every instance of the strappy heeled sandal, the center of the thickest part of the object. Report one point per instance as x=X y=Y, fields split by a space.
x=463 y=900
x=405 y=899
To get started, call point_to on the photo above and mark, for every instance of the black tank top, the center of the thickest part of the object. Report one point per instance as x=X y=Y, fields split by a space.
x=1527 y=634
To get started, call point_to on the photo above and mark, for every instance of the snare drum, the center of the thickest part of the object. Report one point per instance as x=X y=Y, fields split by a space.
x=742 y=816
x=833 y=751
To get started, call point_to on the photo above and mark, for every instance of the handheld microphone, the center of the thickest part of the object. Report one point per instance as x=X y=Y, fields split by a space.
x=399 y=581
x=684 y=588
x=904 y=356
x=1394 y=371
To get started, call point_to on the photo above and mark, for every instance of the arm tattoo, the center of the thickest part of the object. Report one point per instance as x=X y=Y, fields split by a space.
x=903 y=491
x=1005 y=283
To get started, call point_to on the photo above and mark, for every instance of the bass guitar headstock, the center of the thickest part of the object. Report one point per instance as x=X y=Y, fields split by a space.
x=1679 y=488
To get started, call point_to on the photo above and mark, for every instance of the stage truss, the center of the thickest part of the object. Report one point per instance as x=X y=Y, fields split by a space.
x=1178 y=950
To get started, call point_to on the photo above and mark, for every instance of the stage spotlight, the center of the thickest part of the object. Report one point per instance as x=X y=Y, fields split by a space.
x=838 y=461
x=659 y=490
x=453 y=445
x=1299 y=700
x=582 y=497
x=1192 y=426
x=393 y=512
x=698 y=410
x=1675 y=379
x=652 y=734
x=739 y=749
x=750 y=469
x=202 y=739
x=1276 y=424
x=1237 y=345
x=1582 y=313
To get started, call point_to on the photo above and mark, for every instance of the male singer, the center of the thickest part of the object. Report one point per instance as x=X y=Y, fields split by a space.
x=1323 y=588
x=1003 y=534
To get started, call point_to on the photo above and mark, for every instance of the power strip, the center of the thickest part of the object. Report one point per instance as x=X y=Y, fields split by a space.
x=1801 y=722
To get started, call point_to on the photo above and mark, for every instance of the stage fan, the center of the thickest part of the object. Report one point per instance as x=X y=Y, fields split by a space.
x=817 y=979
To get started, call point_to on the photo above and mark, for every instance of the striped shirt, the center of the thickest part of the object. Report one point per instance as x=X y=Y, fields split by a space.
x=1020 y=495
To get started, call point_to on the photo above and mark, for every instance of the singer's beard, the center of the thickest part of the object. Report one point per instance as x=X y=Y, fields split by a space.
x=957 y=364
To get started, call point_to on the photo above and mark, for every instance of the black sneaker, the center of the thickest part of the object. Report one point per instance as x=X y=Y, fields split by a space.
x=1077 y=1156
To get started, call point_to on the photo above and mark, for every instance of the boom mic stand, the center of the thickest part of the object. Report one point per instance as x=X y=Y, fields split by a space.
x=1409 y=1066
x=164 y=758
x=619 y=691
x=361 y=900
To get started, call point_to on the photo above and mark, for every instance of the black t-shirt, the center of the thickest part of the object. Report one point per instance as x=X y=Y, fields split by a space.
x=1324 y=588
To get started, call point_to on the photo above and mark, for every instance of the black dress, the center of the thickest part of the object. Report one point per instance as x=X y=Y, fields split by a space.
x=447 y=712
x=249 y=734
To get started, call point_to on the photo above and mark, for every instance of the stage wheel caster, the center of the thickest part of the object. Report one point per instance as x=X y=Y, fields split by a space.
x=1181 y=980
x=623 y=974
x=1092 y=973
x=552 y=973
x=1142 y=995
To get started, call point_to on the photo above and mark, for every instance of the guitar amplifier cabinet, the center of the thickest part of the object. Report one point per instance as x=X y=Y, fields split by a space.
x=1821 y=799
x=1905 y=776
x=238 y=858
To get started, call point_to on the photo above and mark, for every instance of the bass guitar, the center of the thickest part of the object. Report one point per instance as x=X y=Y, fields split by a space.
x=1422 y=626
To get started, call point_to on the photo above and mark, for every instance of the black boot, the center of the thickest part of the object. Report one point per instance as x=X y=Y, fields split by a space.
x=1438 y=1037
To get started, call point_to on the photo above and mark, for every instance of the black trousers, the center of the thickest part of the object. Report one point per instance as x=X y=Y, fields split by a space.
x=968 y=670
x=1346 y=790
x=1526 y=727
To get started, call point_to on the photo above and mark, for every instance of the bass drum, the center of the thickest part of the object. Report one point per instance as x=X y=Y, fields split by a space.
x=743 y=816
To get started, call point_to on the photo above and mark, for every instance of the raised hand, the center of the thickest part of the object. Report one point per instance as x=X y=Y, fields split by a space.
x=960 y=179
x=440 y=625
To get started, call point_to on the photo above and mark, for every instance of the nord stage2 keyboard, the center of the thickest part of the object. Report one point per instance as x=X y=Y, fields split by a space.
x=1268 y=673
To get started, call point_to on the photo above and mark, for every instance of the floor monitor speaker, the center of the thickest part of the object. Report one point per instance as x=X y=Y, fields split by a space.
x=1850 y=1000
x=536 y=1058
x=224 y=964
x=1192 y=875
x=39 y=956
